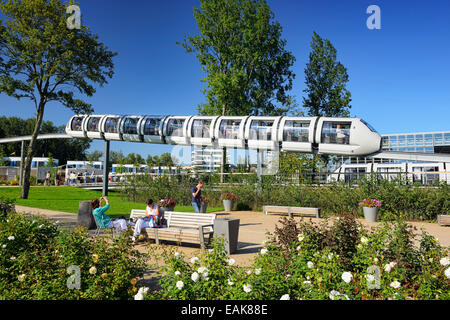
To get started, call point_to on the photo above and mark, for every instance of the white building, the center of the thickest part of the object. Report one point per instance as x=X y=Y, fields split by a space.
x=207 y=159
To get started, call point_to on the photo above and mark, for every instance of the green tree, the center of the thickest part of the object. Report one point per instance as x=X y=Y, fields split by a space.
x=42 y=60
x=240 y=49
x=94 y=155
x=325 y=79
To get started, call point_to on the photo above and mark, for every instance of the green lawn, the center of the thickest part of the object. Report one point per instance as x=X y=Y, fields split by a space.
x=66 y=199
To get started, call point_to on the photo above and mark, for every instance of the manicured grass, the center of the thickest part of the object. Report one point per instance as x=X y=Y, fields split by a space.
x=66 y=199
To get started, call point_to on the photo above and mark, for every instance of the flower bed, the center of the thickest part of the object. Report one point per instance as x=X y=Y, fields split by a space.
x=39 y=261
x=307 y=261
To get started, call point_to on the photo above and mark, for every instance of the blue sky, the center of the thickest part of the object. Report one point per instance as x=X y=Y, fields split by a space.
x=398 y=74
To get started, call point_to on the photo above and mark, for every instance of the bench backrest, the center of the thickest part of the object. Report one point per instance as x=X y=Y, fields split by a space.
x=135 y=213
x=188 y=220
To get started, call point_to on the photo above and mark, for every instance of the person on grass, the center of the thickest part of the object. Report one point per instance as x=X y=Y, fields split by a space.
x=197 y=196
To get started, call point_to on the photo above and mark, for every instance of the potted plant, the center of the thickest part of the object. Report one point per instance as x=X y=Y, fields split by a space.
x=204 y=203
x=370 y=209
x=228 y=200
x=167 y=204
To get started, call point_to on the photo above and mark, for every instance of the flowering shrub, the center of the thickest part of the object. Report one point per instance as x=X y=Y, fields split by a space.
x=309 y=261
x=204 y=199
x=228 y=196
x=371 y=203
x=167 y=203
x=39 y=261
x=6 y=205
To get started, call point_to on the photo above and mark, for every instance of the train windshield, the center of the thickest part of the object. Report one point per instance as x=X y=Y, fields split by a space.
x=151 y=127
x=296 y=131
x=76 y=124
x=261 y=130
x=368 y=126
x=130 y=126
x=201 y=128
x=336 y=132
x=175 y=127
x=111 y=125
x=229 y=129
x=93 y=124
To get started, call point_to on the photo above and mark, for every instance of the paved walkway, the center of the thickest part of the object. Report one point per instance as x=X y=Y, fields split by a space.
x=253 y=229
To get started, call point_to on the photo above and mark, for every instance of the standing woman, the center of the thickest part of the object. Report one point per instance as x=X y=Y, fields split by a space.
x=152 y=219
x=103 y=220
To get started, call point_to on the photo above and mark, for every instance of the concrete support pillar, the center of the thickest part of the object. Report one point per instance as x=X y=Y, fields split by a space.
x=106 y=168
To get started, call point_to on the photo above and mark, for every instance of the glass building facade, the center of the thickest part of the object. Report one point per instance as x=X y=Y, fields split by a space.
x=428 y=142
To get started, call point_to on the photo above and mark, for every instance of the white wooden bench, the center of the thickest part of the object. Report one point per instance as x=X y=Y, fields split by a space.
x=181 y=227
x=443 y=220
x=291 y=210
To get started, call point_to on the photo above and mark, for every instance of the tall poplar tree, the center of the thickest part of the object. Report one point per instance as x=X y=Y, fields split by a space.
x=326 y=80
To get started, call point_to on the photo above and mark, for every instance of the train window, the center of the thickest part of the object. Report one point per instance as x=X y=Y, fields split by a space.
x=130 y=126
x=229 y=129
x=368 y=125
x=201 y=128
x=151 y=127
x=261 y=130
x=175 y=127
x=111 y=125
x=336 y=132
x=76 y=124
x=93 y=124
x=296 y=131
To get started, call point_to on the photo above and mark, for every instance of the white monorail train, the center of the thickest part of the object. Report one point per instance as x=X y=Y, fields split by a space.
x=340 y=136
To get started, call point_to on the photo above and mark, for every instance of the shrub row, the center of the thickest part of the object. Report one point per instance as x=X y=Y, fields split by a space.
x=407 y=201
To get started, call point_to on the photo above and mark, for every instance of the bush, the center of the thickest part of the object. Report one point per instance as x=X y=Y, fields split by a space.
x=36 y=258
x=317 y=261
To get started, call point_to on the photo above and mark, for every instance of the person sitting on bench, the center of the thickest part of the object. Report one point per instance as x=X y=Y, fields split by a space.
x=152 y=219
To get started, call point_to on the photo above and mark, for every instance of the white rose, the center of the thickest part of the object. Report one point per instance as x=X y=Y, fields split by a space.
x=13 y=258
x=310 y=264
x=347 y=277
x=247 y=288
x=11 y=238
x=364 y=240
x=447 y=273
x=258 y=271
x=93 y=270
x=300 y=237
x=177 y=254
x=195 y=276
x=180 y=285
x=4 y=246
x=298 y=248
x=231 y=261
x=395 y=284
x=143 y=290
x=230 y=283
x=444 y=261
x=177 y=273
x=21 y=278
x=194 y=260
x=139 y=296
x=202 y=270
x=264 y=251
x=285 y=297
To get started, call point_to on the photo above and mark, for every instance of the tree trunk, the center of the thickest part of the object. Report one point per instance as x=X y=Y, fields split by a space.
x=31 y=151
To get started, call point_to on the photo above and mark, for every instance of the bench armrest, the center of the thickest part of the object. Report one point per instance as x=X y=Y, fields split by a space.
x=202 y=227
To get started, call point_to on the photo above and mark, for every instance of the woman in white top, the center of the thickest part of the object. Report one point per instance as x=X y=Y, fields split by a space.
x=151 y=219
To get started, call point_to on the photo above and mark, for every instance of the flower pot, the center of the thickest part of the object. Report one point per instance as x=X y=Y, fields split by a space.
x=370 y=213
x=203 y=207
x=228 y=205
